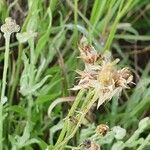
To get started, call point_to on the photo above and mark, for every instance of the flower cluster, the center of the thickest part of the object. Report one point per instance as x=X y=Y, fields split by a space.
x=101 y=73
x=10 y=26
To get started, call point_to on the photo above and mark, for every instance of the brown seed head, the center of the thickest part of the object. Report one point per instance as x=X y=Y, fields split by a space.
x=102 y=129
x=94 y=146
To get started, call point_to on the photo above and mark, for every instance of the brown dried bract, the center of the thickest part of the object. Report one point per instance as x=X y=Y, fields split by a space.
x=87 y=52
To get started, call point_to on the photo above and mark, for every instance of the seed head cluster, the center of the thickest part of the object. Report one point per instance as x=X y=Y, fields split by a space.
x=101 y=73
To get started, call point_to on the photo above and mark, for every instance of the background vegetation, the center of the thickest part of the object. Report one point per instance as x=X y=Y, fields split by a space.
x=43 y=68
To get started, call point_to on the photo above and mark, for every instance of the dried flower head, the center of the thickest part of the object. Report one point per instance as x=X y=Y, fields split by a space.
x=102 y=129
x=87 y=52
x=123 y=78
x=94 y=146
x=101 y=73
x=86 y=144
x=90 y=145
x=10 y=26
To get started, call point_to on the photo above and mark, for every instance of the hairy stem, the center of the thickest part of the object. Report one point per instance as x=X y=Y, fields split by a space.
x=71 y=112
x=146 y=142
x=6 y=59
x=16 y=75
x=85 y=102
x=84 y=112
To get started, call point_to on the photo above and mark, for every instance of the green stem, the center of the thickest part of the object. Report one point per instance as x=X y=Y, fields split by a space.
x=17 y=74
x=87 y=99
x=71 y=112
x=85 y=102
x=7 y=39
x=20 y=51
x=1 y=126
x=29 y=108
x=146 y=141
x=86 y=109
x=6 y=59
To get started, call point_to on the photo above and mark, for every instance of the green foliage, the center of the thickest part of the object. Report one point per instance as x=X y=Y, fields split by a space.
x=41 y=69
x=116 y=136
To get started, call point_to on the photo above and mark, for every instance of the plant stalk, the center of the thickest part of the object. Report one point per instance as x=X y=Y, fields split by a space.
x=71 y=112
x=84 y=112
x=6 y=59
x=16 y=79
